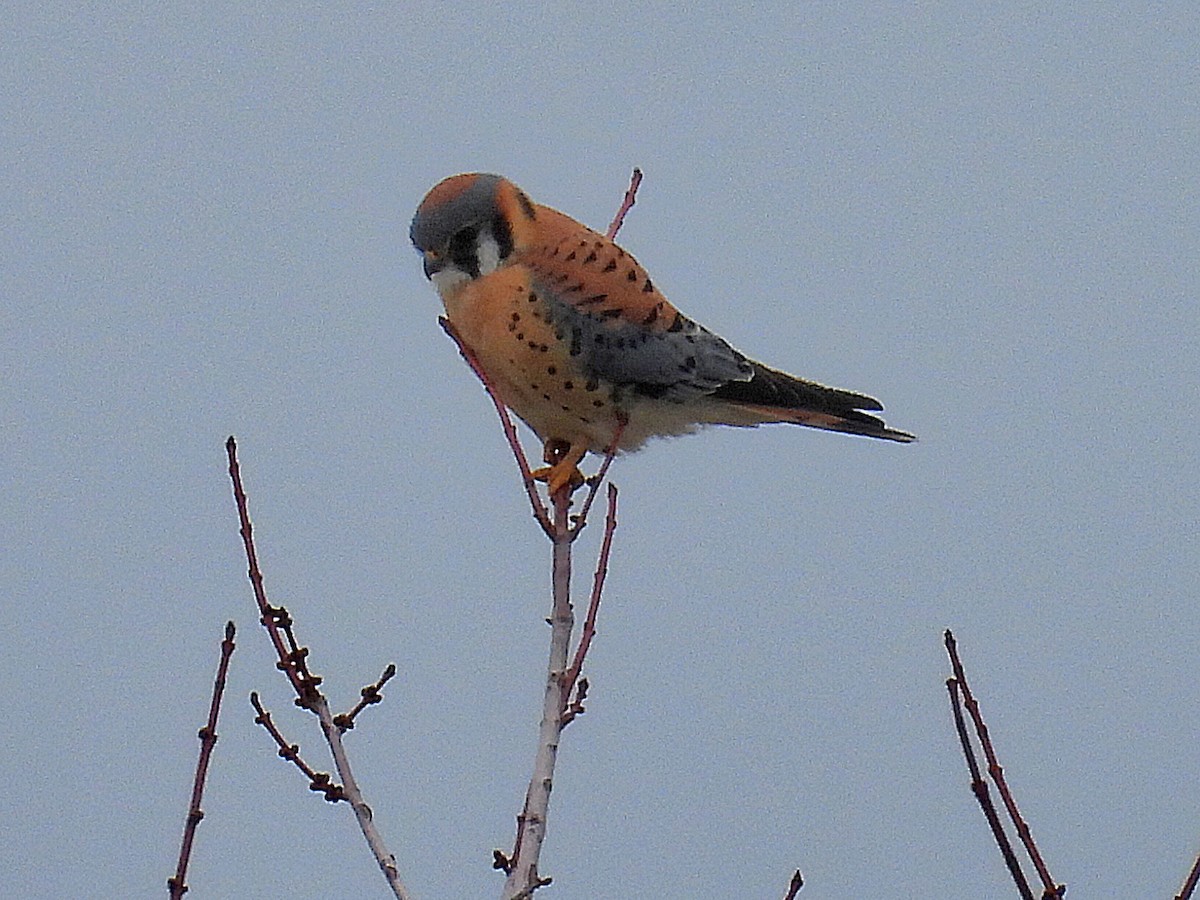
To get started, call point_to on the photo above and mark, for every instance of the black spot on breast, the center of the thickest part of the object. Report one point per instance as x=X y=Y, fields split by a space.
x=647 y=288
x=690 y=338
x=574 y=289
x=598 y=403
x=543 y=347
x=520 y=335
x=532 y=297
x=550 y=370
x=676 y=323
x=632 y=275
x=590 y=258
x=568 y=385
x=545 y=396
x=652 y=316
x=612 y=265
x=592 y=385
x=595 y=298
x=570 y=256
x=533 y=345
x=516 y=317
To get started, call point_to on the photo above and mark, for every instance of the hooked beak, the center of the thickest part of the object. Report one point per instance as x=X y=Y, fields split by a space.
x=432 y=263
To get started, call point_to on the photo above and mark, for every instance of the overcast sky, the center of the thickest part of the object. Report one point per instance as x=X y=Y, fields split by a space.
x=988 y=219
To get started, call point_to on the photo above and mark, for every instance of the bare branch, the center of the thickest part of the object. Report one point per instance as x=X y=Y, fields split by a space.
x=1051 y=889
x=177 y=884
x=293 y=663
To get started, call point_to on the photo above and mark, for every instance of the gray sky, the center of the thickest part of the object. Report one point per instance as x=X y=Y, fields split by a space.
x=987 y=219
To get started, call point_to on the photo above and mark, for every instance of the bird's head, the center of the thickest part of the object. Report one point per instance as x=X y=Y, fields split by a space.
x=467 y=226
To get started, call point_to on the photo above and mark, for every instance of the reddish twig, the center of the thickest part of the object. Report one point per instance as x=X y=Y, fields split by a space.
x=794 y=886
x=177 y=884
x=980 y=789
x=1189 y=886
x=1051 y=889
x=275 y=619
x=635 y=182
x=571 y=676
x=596 y=480
x=370 y=694
x=510 y=432
x=320 y=782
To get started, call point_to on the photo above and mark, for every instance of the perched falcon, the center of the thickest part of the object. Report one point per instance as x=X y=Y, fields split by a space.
x=580 y=344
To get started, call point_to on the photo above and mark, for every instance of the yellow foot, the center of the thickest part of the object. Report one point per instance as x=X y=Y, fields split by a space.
x=563 y=471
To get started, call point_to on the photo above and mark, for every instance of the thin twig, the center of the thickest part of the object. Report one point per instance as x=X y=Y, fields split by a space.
x=293 y=663
x=980 y=789
x=510 y=432
x=177 y=884
x=370 y=694
x=571 y=677
x=794 y=886
x=596 y=480
x=626 y=205
x=271 y=617
x=1051 y=889
x=1189 y=886
x=319 y=782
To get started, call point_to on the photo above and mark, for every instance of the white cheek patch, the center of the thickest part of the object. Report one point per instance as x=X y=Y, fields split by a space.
x=488 y=254
x=448 y=279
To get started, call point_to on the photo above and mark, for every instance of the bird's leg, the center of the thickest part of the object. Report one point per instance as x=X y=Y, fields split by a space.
x=563 y=461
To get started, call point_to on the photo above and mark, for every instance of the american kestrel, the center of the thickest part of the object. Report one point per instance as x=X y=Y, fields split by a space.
x=580 y=344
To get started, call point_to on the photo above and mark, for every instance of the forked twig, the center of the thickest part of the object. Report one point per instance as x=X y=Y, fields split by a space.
x=177 y=884
x=293 y=663
x=1051 y=889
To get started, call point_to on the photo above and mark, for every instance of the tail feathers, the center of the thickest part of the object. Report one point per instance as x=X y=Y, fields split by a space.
x=779 y=397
